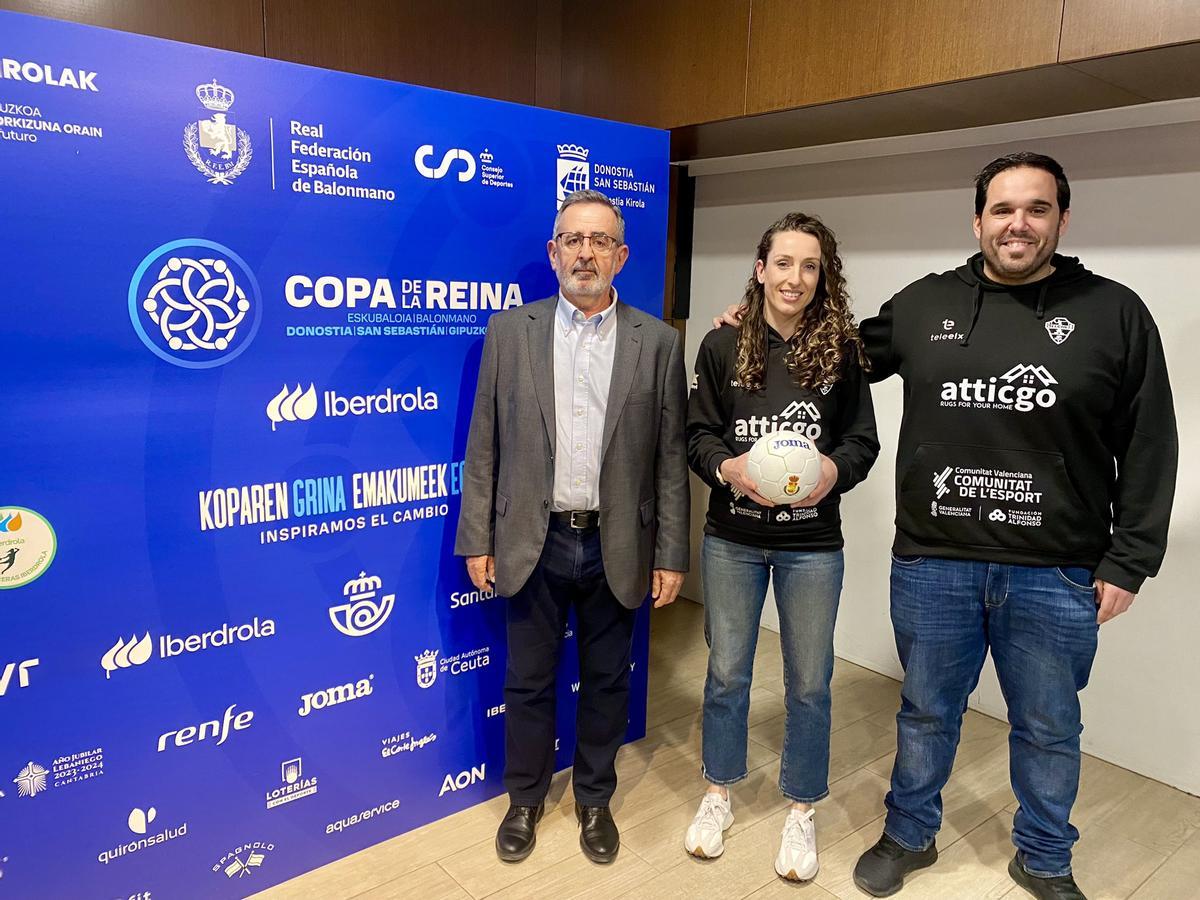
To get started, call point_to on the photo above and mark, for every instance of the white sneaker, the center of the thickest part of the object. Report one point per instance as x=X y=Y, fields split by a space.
x=705 y=837
x=797 y=859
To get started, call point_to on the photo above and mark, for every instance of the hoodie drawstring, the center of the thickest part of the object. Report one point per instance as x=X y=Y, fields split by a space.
x=977 y=305
x=1041 y=304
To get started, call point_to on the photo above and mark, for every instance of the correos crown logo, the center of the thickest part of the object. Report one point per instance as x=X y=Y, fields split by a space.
x=195 y=303
x=361 y=613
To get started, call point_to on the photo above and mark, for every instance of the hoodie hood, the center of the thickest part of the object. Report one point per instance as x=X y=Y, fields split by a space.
x=1067 y=270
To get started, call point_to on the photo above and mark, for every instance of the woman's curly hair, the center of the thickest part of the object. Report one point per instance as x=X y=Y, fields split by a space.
x=826 y=337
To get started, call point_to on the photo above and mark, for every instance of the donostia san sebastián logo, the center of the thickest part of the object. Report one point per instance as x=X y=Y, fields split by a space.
x=195 y=303
x=216 y=147
x=574 y=173
x=27 y=546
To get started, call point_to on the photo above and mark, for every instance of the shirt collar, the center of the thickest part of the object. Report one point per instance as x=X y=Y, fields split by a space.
x=569 y=317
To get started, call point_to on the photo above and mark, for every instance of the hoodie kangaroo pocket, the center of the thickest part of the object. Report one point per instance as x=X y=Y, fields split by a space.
x=963 y=495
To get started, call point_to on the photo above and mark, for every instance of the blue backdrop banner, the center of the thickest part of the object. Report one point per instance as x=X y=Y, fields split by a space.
x=243 y=305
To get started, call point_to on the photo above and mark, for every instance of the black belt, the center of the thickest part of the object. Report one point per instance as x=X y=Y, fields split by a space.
x=578 y=519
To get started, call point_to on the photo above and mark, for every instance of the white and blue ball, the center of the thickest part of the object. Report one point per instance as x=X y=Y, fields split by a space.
x=785 y=465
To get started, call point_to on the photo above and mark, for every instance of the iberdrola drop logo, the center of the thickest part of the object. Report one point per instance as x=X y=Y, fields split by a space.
x=27 y=546
x=290 y=405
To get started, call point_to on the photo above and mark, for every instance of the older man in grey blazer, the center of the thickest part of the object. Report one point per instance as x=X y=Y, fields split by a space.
x=575 y=492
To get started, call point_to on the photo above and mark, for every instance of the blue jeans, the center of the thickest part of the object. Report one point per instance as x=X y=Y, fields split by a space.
x=807 y=588
x=1040 y=624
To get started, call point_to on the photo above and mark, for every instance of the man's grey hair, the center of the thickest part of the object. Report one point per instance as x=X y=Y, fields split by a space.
x=591 y=197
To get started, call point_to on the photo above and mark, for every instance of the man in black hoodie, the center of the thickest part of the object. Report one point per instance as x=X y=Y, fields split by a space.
x=1035 y=474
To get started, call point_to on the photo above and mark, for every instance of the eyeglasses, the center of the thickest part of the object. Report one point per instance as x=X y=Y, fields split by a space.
x=602 y=243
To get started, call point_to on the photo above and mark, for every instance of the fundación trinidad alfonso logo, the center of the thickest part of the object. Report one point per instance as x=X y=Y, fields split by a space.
x=27 y=546
x=361 y=613
x=215 y=146
x=195 y=303
x=574 y=173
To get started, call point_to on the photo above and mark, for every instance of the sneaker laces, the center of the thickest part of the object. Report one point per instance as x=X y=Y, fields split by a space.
x=711 y=815
x=890 y=848
x=798 y=832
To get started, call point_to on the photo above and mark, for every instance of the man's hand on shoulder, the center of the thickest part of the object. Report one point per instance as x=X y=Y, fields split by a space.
x=482 y=570
x=664 y=586
x=731 y=316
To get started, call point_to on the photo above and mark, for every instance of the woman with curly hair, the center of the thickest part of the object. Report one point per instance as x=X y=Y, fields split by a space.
x=795 y=361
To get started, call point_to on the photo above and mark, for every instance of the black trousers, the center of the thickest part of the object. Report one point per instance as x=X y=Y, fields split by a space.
x=570 y=571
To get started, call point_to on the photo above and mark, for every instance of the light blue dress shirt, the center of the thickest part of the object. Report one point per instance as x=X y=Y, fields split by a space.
x=583 y=361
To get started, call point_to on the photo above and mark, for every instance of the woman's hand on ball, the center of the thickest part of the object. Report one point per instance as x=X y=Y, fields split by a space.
x=733 y=470
x=829 y=475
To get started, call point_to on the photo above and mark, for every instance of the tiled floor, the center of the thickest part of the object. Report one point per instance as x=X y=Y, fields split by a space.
x=1139 y=839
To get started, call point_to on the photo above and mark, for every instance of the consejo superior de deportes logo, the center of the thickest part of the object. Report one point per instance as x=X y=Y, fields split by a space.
x=195 y=303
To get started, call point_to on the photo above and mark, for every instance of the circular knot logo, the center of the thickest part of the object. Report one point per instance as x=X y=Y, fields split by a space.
x=195 y=303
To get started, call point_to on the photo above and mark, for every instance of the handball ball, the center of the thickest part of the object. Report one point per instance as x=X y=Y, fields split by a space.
x=785 y=465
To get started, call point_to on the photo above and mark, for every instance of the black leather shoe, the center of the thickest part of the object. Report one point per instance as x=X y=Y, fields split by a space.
x=881 y=870
x=518 y=832
x=1060 y=887
x=598 y=835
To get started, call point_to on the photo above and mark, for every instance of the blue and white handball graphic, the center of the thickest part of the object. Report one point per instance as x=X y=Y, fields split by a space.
x=195 y=303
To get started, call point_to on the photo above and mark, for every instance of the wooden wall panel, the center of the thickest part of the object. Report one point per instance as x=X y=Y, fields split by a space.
x=1099 y=27
x=226 y=24
x=992 y=100
x=818 y=51
x=547 y=90
x=665 y=63
x=472 y=46
x=1160 y=73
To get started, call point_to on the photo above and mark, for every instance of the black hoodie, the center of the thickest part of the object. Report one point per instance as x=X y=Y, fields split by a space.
x=1038 y=423
x=724 y=420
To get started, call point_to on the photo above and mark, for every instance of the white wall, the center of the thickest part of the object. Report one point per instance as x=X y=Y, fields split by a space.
x=1136 y=218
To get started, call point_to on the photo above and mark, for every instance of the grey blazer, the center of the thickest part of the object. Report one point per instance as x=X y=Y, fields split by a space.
x=509 y=474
